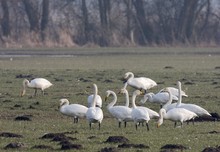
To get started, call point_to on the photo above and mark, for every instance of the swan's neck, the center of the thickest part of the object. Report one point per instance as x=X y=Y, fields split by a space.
x=133 y=100
x=113 y=101
x=169 y=101
x=162 y=113
x=26 y=83
x=94 y=96
x=126 y=98
x=179 y=95
x=125 y=85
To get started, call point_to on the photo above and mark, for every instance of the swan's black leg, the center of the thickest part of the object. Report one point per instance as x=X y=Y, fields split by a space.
x=77 y=119
x=181 y=124
x=147 y=127
x=175 y=124
x=90 y=125
x=35 y=92
x=136 y=125
x=125 y=123
x=99 y=125
x=119 y=124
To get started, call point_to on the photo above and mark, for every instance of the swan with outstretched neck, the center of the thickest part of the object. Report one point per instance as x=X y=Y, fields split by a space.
x=121 y=113
x=37 y=83
x=94 y=114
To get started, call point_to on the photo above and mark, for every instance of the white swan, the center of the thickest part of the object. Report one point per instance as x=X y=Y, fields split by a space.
x=98 y=100
x=73 y=110
x=139 y=115
x=94 y=114
x=121 y=113
x=176 y=114
x=140 y=83
x=191 y=107
x=152 y=114
x=175 y=92
x=159 y=98
x=37 y=83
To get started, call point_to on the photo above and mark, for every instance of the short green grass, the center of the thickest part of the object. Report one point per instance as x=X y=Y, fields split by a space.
x=66 y=73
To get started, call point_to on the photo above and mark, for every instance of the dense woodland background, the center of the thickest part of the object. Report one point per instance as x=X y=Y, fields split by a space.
x=91 y=23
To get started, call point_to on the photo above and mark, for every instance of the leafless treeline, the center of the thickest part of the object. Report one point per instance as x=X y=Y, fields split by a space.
x=54 y=23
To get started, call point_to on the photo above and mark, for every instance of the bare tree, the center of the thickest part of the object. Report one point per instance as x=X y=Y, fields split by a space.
x=6 y=30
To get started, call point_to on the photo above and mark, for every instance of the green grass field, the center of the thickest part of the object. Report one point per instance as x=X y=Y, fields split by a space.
x=197 y=68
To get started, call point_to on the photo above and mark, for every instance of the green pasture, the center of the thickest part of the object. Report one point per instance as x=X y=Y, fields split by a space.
x=197 y=68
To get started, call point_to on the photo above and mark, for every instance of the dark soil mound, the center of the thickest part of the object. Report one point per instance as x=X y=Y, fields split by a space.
x=212 y=149
x=14 y=145
x=52 y=135
x=8 y=134
x=140 y=146
x=21 y=76
x=23 y=118
x=71 y=146
x=42 y=147
x=109 y=149
x=117 y=139
x=172 y=147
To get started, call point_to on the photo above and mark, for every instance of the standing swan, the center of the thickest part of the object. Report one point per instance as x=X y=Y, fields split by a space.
x=98 y=100
x=152 y=114
x=121 y=113
x=140 y=83
x=73 y=110
x=94 y=114
x=37 y=83
x=139 y=115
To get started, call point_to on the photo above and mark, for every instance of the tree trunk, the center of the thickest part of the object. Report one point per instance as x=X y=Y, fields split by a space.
x=32 y=15
x=145 y=28
x=85 y=22
x=45 y=17
x=5 y=19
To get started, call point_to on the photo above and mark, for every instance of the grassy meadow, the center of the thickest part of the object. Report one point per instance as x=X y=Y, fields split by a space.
x=197 y=68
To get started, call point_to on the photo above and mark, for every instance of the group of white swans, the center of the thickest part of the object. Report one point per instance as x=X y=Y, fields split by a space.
x=177 y=112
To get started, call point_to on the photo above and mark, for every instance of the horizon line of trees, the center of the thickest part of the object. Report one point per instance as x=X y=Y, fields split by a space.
x=68 y=23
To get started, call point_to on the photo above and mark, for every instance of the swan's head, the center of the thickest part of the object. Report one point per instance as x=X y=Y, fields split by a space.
x=63 y=102
x=146 y=97
x=107 y=94
x=160 y=120
x=127 y=75
x=25 y=83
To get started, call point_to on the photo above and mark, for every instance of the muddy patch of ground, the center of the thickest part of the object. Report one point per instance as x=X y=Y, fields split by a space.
x=172 y=147
x=23 y=118
x=139 y=146
x=212 y=149
x=117 y=139
x=42 y=147
x=109 y=149
x=14 y=145
x=11 y=135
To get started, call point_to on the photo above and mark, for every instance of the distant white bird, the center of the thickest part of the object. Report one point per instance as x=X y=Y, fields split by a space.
x=152 y=114
x=139 y=115
x=73 y=110
x=159 y=98
x=37 y=83
x=176 y=114
x=191 y=107
x=140 y=83
x=98 y=100
x=94 y=114
x=121 y=113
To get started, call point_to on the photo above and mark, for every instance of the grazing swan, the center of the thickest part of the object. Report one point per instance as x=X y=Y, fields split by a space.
x=175 y=92
x=140 y=83
x=98 y=100
x=152 y=114
x=73 y=110
x=94 y=114
x=176 y=115
x=191 y=107
x=37 y=83
x=159 y=98
x=121 y=113
x=139 y=115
